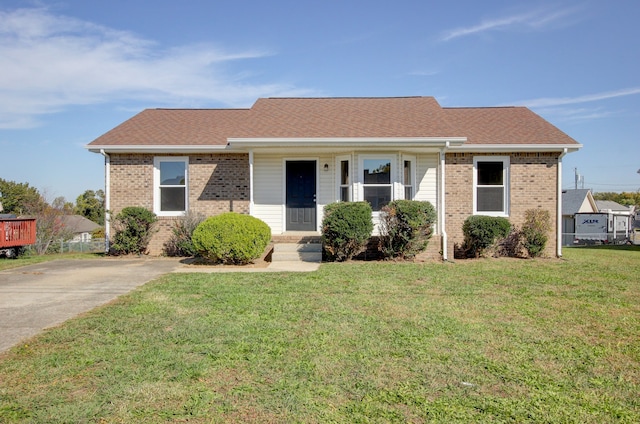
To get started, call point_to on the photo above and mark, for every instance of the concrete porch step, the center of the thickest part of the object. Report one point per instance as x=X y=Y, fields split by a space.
x=305 y=252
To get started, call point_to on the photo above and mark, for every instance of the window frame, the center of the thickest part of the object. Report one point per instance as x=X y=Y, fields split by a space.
x=392 y=158
x=349 y=184
x=412 y=176
x=506 y=165
x=157 y=186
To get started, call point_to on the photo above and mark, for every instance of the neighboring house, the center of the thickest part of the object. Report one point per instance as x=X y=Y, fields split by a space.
x=575 y=202
x=80 y=227
x=620 y=217
x=615 y=220
x=284 y=159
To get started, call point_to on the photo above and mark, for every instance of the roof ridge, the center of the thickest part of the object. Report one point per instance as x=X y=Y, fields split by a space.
x=484 y=107
x=196 y=108
x=348 y=97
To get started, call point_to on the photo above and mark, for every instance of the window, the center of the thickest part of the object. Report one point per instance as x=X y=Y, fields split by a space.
x=491 y=185
x=170 y=185
x=345 y=191
x=408 y=177
x=377 y=182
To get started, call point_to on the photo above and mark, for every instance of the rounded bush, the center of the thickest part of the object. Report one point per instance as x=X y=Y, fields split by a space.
x=406 y=227
x=346 y=228
x=231 y=238
x=537 y=223
x=134 y=225
x=481 y=232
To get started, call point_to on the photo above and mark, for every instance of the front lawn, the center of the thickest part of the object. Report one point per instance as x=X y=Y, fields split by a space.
x=24 y=260
x=474 y=341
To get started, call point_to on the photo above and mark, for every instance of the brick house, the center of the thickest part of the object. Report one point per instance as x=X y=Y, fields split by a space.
x=284 y=159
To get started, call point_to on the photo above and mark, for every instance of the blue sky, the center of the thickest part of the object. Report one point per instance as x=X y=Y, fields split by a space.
x=70 y=70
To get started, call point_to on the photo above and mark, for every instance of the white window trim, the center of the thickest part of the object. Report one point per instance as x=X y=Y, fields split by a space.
x=156 y=184
x=506 y=166
x=393 y=175
x=413 y=160
x=338 y=168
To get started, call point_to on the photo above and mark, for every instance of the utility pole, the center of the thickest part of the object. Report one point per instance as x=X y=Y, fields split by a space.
x=579 y=179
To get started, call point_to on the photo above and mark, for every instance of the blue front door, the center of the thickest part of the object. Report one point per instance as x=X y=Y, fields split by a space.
x=301 y=195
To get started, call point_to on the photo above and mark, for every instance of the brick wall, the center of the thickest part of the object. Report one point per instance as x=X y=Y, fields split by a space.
x=217 y=183
x=533 y=185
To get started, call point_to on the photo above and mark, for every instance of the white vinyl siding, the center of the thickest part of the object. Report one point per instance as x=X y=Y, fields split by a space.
x=269 y=186
x=268 y=194
x=326 y=186
x=427 y=179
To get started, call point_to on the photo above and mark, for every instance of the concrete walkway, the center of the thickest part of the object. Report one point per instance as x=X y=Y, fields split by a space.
x=286 y=257
x=38 y=296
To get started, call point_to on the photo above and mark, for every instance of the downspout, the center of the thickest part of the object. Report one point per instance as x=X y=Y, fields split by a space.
x=107 y=199
x=442 y=205
x=559 y=206
x=251 y=205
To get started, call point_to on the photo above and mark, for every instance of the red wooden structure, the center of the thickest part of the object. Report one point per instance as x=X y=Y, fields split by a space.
x=16 y=232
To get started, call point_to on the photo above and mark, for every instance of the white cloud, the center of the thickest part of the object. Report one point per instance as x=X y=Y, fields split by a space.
x=531 y=20
x=52 y=62
x=561 y=101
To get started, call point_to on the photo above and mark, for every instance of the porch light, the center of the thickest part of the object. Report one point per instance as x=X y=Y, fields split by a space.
x=326 y=167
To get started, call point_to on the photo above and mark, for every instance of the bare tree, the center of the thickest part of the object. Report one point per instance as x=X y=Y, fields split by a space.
x=49 y=222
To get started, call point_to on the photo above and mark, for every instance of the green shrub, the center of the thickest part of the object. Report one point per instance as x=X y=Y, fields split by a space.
x=231 y=238
x=133 y=226
x=537 y=223
x=481 y=232
x=180 y=243
x=406 y=227
x=346 y=228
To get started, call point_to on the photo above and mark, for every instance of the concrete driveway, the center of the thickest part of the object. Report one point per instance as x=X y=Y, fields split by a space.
x=44 y=295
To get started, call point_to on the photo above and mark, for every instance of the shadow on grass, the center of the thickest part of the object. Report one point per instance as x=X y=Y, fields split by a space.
x=625 y=247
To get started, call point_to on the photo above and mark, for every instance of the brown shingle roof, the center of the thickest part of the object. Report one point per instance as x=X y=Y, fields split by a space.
x=168 y=127
x=346 y=117
x=504 y=125
x=334 y=118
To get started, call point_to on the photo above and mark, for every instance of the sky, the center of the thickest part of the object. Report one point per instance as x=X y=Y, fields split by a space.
x=71 y=70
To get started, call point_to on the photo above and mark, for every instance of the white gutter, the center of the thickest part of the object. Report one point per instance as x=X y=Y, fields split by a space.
x=341 y=141
x=107 y=199
x=499 y=148
x=442 y=205
x=559 y=206
x=155 y=148
x=251 y=203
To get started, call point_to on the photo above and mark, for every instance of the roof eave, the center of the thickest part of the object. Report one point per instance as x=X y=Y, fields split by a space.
x=312 y=142
x=502 y=148
x=155 y=148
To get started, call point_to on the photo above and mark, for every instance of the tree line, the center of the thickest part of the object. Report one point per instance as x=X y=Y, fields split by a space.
x=625 y=198
x=22 y=200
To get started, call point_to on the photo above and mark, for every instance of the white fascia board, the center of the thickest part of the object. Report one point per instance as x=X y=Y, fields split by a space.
x=348 y=141
x=156 y=149
x=504 y=148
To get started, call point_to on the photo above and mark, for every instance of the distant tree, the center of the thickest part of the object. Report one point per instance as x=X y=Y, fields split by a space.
x=61 y=203
x=49 y=223
x=90 y=204
x=16 y=196
x=625 y=198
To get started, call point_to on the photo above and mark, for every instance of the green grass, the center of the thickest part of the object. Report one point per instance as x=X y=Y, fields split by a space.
x=473 y=341
x=9 y=263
